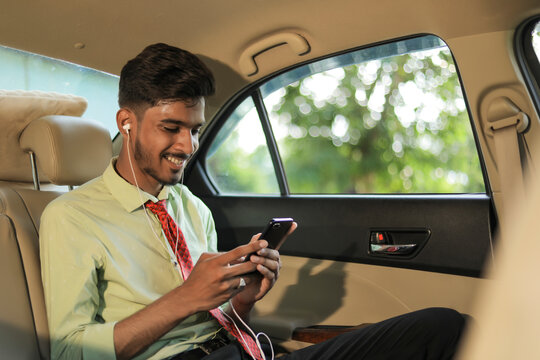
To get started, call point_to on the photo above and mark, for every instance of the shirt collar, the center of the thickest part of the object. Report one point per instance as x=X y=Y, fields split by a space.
x=127 y=194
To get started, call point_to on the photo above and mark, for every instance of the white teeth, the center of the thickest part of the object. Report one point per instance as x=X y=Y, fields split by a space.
x=174 y=160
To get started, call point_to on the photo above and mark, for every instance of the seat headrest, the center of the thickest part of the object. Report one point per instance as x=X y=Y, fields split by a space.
x=18 y=108
x=69 y=150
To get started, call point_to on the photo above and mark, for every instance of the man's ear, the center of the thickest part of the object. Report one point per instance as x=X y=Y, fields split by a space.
x=125 y=119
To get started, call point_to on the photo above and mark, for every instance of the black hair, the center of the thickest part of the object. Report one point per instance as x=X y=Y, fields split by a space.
x=163 y=73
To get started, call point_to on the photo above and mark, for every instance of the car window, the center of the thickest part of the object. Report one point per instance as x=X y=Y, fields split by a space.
x=239 y=160
x=385 y=119
x=536 y=40
x=22 y=70
x=527 y=52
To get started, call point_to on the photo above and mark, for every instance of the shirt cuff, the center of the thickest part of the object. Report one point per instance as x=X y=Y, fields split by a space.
x=98 y=342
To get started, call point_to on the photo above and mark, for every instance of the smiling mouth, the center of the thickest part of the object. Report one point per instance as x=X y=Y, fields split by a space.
x=177 y=161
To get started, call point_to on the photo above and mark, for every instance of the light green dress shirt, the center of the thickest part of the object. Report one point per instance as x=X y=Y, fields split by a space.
x=103 y=258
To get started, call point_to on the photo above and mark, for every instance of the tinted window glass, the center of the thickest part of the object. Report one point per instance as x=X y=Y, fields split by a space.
x=387 y=119
x=238 y=161
x=536 y=40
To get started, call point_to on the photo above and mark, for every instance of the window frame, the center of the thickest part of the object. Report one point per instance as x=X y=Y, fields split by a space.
x=221 y=117
x=253 y=90
x=527 y=60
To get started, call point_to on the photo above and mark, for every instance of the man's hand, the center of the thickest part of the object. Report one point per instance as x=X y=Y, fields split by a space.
x=268 y=264
x=216 y=278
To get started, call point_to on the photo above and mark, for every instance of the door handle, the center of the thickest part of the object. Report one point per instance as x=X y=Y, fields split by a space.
x=405 y=249
x=397 y=242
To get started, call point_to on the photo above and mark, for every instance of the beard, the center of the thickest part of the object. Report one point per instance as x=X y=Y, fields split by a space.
x=144 y=161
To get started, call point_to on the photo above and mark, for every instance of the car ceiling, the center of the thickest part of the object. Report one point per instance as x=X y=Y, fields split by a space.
x=113 y=31
x=219 y=31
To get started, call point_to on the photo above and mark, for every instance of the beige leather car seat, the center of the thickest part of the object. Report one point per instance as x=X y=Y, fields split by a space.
x=68 y=150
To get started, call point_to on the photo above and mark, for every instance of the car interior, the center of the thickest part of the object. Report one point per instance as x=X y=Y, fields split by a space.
x=400 y=136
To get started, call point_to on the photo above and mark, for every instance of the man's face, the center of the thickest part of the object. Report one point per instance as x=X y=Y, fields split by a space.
x=166 y=136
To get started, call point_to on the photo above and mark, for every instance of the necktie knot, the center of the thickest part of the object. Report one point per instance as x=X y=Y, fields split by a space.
x=159 y=208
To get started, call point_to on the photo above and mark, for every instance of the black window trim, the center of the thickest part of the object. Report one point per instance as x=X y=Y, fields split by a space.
x=527 y=59
x=279 y=169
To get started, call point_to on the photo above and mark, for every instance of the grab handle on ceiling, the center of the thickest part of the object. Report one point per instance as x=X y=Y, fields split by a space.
x=297 y=42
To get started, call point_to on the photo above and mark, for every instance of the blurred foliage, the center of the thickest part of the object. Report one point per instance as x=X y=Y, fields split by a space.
x=236 y=171
x=396 y=125
x=393 y=125
x=536 y=40
x=235 y=168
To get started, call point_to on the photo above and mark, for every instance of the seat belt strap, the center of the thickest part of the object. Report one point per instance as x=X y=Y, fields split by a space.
x=505 y=135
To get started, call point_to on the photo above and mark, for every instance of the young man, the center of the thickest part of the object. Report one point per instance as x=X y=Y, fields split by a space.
x=129 y=260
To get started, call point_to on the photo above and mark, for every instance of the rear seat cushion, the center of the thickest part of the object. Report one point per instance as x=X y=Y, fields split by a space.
x=18 y=338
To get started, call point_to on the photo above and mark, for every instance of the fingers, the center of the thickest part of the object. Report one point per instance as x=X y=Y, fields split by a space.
x=232 y=257
x=227 y=265
x=255 y=237
x=207 y=256
x=267 y=272
x=292 y=228
x=238 y=283
x=267 y=267
x=268 y=253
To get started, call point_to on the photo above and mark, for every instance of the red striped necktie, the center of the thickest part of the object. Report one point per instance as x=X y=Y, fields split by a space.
x=171 y=231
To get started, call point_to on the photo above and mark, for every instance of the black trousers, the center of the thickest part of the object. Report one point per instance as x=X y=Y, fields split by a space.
x=429 y=334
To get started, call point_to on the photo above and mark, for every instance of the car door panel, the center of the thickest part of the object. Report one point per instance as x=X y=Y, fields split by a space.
x=338 y=228
x=314 y=292
x=329 y=277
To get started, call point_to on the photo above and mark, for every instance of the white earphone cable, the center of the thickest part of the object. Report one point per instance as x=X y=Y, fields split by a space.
x=147 y=216
x=255 y=337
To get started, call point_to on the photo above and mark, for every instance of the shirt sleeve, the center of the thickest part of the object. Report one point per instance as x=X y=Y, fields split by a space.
x=71 y=261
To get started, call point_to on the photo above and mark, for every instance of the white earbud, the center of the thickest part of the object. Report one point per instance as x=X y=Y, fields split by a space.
x=127 y=127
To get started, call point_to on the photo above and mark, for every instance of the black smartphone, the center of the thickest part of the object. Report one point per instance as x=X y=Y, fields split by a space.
x=274 y=232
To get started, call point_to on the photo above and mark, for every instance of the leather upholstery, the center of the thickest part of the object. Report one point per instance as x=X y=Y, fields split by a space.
x=69 y=151
x=26 y=335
